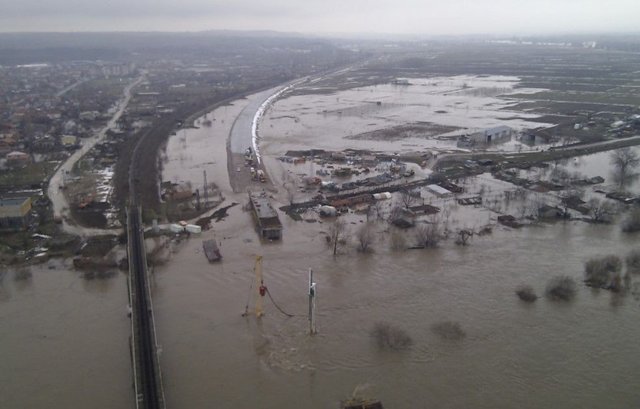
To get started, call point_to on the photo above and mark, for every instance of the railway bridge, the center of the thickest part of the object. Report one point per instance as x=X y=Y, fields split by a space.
x=144 y=348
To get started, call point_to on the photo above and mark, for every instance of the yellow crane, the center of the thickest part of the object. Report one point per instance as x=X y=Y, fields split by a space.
x=260 y=290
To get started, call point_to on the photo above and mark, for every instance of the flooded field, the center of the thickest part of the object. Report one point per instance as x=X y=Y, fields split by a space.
x=548 y=354
x=441 y=107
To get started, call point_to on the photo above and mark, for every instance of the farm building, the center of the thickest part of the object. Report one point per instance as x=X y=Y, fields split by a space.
x=497 y=134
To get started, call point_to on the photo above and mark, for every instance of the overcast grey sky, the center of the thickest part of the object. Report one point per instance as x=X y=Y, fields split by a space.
x=322 y=16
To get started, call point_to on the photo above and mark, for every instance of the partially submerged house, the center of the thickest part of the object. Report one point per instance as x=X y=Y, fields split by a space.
x=265 y=216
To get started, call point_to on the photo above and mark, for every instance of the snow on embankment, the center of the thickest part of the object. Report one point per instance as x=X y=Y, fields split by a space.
x=255 y=136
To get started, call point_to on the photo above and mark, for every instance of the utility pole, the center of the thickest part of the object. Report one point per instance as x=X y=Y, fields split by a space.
x=312 y=304
x=206 y=195
x=261 y=289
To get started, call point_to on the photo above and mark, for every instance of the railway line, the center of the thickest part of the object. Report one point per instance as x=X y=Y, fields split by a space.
x=144 y=352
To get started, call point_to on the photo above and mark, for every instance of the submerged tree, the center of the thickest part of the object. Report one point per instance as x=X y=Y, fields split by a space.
x=463 y=237
x=290 y=186
x=603 y=272
x=624 y=161
x=561 y=288
x=390 y=337
x=337 y=234
x=600 y=210
x=633 y=262
x=526 y=293
x=449 y=330
x=365 y=237
x=632 y=223
x=397 y=241
x=408 y=197
x=428 y=235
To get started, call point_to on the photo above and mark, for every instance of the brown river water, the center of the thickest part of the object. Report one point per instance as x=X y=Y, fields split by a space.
x=64 y=339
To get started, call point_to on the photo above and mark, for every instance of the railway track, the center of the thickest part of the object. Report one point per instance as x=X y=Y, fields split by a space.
x=148 y=383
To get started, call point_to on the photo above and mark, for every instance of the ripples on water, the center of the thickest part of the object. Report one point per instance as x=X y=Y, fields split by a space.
x=514 y=355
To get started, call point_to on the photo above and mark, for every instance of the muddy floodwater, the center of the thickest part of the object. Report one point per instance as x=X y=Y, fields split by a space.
x=548 y=354
x=64 y=339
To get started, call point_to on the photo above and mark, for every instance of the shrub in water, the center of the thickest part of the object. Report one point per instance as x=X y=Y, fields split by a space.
x=526 y=293
x=633 y=262
x=632 y=222
x=448 y=330
x=562 y=288
x=389 y=337
x=601 y=272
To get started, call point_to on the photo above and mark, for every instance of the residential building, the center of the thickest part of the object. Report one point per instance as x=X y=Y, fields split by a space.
x=14 y=213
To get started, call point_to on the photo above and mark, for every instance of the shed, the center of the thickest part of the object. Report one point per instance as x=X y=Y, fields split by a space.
x=439 y=190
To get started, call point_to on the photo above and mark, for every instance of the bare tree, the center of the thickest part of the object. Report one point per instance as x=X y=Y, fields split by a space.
x=463 y=237
x=290 y=186
x=561 y=288
x=365 y=237
x=291 y=190
x=428 y=235
x=624 y=161
x=337 y=234
x=561 y=176
x=571 y=198
x=377 y=207
x=600 y=210
x=397 y=241
x=390 y=337
x=408 y=197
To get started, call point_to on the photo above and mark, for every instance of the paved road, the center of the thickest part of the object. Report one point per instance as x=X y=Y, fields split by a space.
x=58 y=199
x=241 y=136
